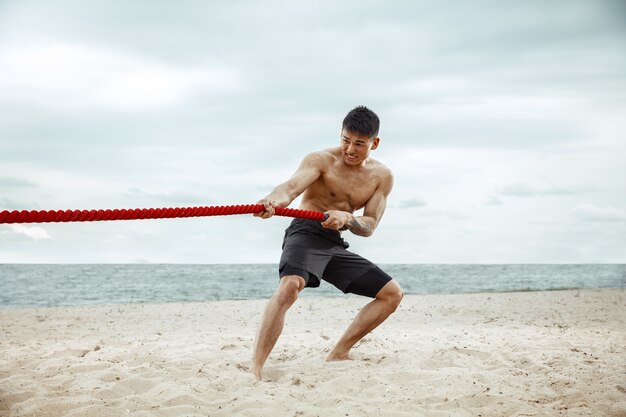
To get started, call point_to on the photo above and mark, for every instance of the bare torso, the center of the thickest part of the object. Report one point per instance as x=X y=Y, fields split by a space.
x=343 y=187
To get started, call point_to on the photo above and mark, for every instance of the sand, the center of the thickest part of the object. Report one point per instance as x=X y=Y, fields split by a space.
x=508 y=354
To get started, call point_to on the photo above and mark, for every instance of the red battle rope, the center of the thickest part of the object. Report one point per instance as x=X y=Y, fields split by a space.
x=50 y=216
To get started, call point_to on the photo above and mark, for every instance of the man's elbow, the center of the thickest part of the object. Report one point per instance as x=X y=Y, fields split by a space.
x=370 y=227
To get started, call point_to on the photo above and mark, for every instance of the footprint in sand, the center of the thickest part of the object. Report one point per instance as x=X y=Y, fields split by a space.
x=242 y=367
x=125 y=387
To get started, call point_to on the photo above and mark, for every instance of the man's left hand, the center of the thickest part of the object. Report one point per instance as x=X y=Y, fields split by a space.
x=337 y=220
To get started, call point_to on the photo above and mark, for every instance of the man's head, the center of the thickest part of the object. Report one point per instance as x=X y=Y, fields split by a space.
x=362 y=121
x=359 y=135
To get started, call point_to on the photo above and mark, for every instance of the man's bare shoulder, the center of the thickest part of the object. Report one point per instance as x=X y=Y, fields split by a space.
x=322 y=158
x=380 y=168
x=383 y=175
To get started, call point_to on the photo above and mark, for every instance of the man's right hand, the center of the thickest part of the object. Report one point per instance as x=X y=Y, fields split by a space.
x=269 y=209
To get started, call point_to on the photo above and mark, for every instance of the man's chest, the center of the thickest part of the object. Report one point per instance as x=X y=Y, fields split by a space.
x=354 y=189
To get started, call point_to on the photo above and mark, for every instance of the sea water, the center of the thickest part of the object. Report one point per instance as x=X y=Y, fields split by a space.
x=28 y=285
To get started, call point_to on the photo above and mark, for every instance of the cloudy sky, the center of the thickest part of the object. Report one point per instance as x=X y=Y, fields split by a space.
x=502 y=121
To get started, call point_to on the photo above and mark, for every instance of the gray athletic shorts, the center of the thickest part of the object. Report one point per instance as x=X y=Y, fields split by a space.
x=313 y=252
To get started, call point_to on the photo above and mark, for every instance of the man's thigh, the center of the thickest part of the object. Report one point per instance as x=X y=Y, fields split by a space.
x=370 y=283
x=354 y=274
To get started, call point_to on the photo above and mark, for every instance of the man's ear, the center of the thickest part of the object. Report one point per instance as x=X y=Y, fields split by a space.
x=375 y=143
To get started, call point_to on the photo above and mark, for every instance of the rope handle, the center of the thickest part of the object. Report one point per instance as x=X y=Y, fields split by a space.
x=53 y=216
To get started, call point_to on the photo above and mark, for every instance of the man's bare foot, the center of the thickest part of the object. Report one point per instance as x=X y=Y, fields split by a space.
x=256 y=372
x=338 y=356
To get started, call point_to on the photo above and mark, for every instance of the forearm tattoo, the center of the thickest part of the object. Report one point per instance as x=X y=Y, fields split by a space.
x=360 y=228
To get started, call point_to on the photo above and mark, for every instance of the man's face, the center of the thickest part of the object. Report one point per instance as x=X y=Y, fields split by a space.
x=356 y=149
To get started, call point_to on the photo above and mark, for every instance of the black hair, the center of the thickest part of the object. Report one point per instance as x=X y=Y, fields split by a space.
x=362 y=121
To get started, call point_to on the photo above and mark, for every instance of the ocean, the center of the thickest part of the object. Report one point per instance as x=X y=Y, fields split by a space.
x=39 y=285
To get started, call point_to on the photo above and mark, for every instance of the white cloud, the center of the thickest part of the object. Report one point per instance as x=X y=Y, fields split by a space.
x=588 y=212
x=177 y=197
x=33 y=232
x=16 y=182
x=77 y=75
x=412 y=203
x=493 y=201
x=520 y=189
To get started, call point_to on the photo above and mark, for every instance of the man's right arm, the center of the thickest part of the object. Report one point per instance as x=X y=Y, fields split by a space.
x=309 y=170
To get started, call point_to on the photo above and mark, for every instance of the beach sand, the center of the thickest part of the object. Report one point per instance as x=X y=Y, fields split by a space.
x=507 y=354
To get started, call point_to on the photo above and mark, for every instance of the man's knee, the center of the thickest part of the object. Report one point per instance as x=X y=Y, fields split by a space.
x=288 y=289
x=391 y=294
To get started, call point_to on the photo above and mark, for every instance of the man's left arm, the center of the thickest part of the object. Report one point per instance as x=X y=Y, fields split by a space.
x=372 y=212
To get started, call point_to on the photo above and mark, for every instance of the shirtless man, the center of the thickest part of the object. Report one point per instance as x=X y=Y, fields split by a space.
x=337 y=181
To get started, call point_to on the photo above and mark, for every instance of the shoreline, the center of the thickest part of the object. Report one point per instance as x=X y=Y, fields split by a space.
x=557 y=352
x=308 y=296
x=43 y=286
